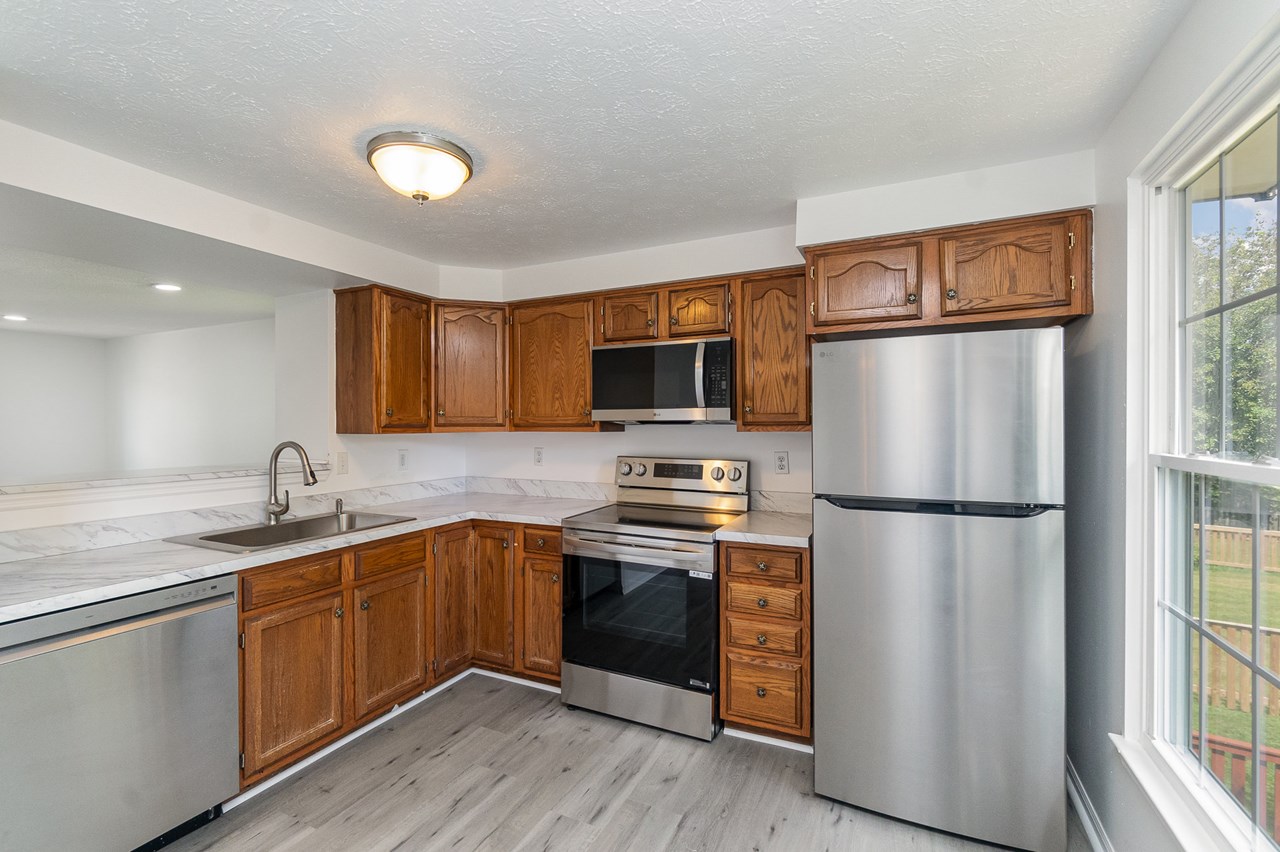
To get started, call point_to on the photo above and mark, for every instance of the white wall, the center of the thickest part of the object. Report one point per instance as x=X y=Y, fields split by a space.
x=1015 y=189
x=463 y=282
x=51 y=387
x=589 y=457
x=197 y=397
x=1206 y=42
x=693 y=259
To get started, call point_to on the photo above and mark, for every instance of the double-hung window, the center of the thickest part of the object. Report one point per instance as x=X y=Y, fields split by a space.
x=1218 y=486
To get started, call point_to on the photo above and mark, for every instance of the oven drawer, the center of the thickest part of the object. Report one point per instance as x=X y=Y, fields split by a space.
x=779 y=601
x=541 y=540
x=764 y=636
x=764 y=564
x=764 y=692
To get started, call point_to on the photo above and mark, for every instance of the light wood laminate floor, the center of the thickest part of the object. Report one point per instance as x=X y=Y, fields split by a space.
x=489 y=764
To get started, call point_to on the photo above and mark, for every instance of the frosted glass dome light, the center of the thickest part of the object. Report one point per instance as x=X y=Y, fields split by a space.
x=418 y=166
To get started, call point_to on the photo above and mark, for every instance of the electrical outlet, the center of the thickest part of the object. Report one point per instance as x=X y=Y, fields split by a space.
x=782 y=462
x=402 y=459
x=340 y=463
x=537 y=456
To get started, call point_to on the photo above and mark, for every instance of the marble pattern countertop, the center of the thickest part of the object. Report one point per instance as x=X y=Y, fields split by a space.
x=30 y=587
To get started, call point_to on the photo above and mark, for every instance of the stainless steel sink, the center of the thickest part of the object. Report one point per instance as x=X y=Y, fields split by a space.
x=254 y=537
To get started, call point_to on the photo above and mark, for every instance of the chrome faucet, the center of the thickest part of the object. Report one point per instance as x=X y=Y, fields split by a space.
x=275 y=506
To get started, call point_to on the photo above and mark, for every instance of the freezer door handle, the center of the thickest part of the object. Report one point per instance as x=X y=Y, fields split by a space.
x=985 y=510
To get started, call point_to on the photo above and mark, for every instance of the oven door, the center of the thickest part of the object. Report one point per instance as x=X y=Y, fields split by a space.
x=642 y=607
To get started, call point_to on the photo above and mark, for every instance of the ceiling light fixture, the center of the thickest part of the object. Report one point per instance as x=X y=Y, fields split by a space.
x=421 y=167
x=168 y=288
x=15 y=318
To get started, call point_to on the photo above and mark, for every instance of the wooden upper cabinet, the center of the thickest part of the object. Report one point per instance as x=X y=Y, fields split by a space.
x=470 y=367
x=293 y=676
x=867 y=284
x=494 y=595
x=698 y=311
x=1007 y=267
x=541 y=605
x=773 y=352
x=626 y=317
x=454 y=596
x=384 y=354
x=551 y=365
x=388 y=621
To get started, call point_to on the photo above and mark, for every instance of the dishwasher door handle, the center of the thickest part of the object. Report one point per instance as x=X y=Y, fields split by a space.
x=114 y=628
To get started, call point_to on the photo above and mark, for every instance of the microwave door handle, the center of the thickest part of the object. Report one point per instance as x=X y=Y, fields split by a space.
x=700 y=390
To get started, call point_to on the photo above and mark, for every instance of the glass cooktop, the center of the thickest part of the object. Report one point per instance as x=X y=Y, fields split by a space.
x=684 y=524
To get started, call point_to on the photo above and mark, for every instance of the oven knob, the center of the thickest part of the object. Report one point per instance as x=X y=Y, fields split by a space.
x=624 y=468
x=641 y=470
x=717 y=473
x=735 y=474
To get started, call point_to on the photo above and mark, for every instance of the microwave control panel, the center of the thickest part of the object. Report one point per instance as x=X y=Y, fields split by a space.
x=717 y=383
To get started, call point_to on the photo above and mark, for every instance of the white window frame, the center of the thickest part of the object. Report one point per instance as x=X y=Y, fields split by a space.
x=1197 y=812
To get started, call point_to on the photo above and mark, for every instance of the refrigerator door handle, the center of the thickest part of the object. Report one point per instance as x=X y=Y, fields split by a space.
x=985 y=510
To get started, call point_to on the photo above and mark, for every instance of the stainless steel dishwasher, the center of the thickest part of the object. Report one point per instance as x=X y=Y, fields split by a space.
x=118 y=720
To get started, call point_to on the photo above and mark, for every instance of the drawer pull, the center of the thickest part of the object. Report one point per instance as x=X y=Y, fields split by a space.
x=761 y=639
x=761 y=692
x=364 y=604
x=762 y=565
x=542 y=542
x=338 y=613
x=761 y=602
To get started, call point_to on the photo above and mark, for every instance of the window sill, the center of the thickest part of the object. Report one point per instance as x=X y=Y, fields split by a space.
x=1191 y=813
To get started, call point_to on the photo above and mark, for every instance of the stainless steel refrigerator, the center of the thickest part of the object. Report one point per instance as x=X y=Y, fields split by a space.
x=938 y=581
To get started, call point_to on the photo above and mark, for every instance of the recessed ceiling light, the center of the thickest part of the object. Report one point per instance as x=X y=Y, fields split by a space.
x=168 y=288
x=15 y=318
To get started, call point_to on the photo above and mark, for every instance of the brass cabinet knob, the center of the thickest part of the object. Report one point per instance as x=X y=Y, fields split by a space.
x=555 y=578
x=505 y=544
x=747 y=409
x=338 y=613
x=761 y=602
x=390 y=412
x=951 y=293
x=675 y=321
x=542 y=542
x=912 y=298
x=762 y=565
x=364 y=604
x=761 y=691
x=761 y=639
x=649 y=323
x=440 y=413
x=586 y=412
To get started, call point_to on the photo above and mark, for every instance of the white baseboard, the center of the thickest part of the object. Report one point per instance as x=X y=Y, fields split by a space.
x=1093 y=829
x=773 y=741
x=545 y=687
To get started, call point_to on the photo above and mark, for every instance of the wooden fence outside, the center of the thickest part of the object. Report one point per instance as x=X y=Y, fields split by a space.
x=1230 y=684
x=1230 y=760
x=1233 y=546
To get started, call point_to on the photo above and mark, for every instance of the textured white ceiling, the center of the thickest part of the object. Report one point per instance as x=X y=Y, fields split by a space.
x=596 y=125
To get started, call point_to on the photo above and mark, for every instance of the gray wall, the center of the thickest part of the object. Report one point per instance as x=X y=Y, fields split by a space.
x=1199 y=51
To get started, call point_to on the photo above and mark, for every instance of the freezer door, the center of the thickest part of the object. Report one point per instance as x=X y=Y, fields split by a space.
x=973 y=417
x=938 y=682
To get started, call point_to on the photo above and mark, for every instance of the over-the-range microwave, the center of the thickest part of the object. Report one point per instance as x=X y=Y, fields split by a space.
x=680 y=381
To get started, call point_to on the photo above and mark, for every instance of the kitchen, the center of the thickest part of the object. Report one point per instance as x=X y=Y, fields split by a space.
x=456 y=362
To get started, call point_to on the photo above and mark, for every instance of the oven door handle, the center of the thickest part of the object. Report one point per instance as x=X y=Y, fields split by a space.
x=682 y=559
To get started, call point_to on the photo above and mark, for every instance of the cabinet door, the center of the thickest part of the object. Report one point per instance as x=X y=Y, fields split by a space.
x=774 y=352
x=403 y=368
x=541 y=604
x=494 y=595
x=551 y=365
x=867 y=284
x=698 y=311
x=471 y=367
x=1007 y=268
x=390 y=652
x=293 y=673
x=629 y=316
x=453 y=600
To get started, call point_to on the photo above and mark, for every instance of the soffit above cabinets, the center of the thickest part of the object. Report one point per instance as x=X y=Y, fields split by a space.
x=594 y=127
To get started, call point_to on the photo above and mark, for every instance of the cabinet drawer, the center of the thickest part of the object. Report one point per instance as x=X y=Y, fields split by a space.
x=375 y=559
x=541 y=540
x=270 y=585
x=764 y=692
x=765 y=564
x=764 y=636
x=779 y=601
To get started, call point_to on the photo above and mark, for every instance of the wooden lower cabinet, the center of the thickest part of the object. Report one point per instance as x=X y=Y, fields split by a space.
x=765 y=630
x=454 y=599
x=294 y=666
x=389 y=621
x=541 y=604
x=494 y=609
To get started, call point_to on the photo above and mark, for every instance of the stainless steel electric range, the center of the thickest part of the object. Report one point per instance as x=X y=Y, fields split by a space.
x=641 y=620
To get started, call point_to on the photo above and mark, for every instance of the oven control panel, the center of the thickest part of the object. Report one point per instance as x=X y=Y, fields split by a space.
x=714 y=475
